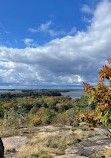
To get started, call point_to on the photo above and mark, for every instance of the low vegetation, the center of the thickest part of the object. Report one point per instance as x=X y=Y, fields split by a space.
x=51 y=143
x=9 y=149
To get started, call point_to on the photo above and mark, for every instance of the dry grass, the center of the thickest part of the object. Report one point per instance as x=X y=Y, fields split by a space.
x=108 y=153
x=38 y=146
x=81 y=134
x=50 y=142
x=9 y=149
x=96 y=157
x=17 y=132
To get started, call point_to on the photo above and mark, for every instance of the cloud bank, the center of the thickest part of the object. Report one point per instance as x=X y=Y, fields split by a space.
x=62 y=61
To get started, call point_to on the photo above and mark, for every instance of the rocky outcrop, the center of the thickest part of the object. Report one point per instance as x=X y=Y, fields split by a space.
x=99 y=141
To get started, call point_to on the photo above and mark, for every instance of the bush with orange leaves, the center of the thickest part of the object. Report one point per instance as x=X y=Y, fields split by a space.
x=36 y=121
x=101 y=94
x=37 y=118
x=7 y=105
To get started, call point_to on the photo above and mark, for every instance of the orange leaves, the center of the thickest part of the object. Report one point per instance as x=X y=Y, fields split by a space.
x=7 y=105
x=103 y=106
x=105 y=72
x=37 y=118
x=100 y=115
x=78 y=117
x=36 y=121
x=39 y=112
x=59 y=104
x=88 y=88
x=89 y=118
x=101 y=95
x=31 y=101
x=109 y=61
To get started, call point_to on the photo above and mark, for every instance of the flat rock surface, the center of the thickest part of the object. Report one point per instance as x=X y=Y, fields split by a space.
x=15 y=142
x=93 y=145
x=98 y=142
x=48 y=128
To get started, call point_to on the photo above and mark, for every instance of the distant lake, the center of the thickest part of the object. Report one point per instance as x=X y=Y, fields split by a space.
x=74 y=94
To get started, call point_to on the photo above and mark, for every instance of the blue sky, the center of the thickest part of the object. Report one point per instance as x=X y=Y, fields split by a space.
x=17 y=17
x=59 y=42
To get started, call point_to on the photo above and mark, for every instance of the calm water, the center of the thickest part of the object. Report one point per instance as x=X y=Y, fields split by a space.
x=74 y=94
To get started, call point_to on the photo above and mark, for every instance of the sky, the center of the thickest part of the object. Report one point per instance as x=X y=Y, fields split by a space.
x=53 y=44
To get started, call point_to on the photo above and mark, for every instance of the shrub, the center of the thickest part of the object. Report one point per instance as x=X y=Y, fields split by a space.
x=36 y=121
x=100 y=95
x=11 y=119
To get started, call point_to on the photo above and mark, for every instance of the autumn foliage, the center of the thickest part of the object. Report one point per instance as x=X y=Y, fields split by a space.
x=101 y=95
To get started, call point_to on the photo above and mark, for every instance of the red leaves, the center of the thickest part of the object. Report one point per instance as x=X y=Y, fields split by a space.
x=109 y=61
x=105 y=72
x=89 y=118
x=101 y=94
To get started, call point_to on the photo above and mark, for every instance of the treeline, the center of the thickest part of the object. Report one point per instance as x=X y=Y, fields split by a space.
x=32 y=94
x=40 y=109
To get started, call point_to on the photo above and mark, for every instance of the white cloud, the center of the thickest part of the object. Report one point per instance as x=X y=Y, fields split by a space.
x=86 y=20
x=86 y=9
x=46 y=28
x=68 y=60
x=73 y=30
x=33 y=30
x=29 y=42
x=42 y=28
x=56 y=33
